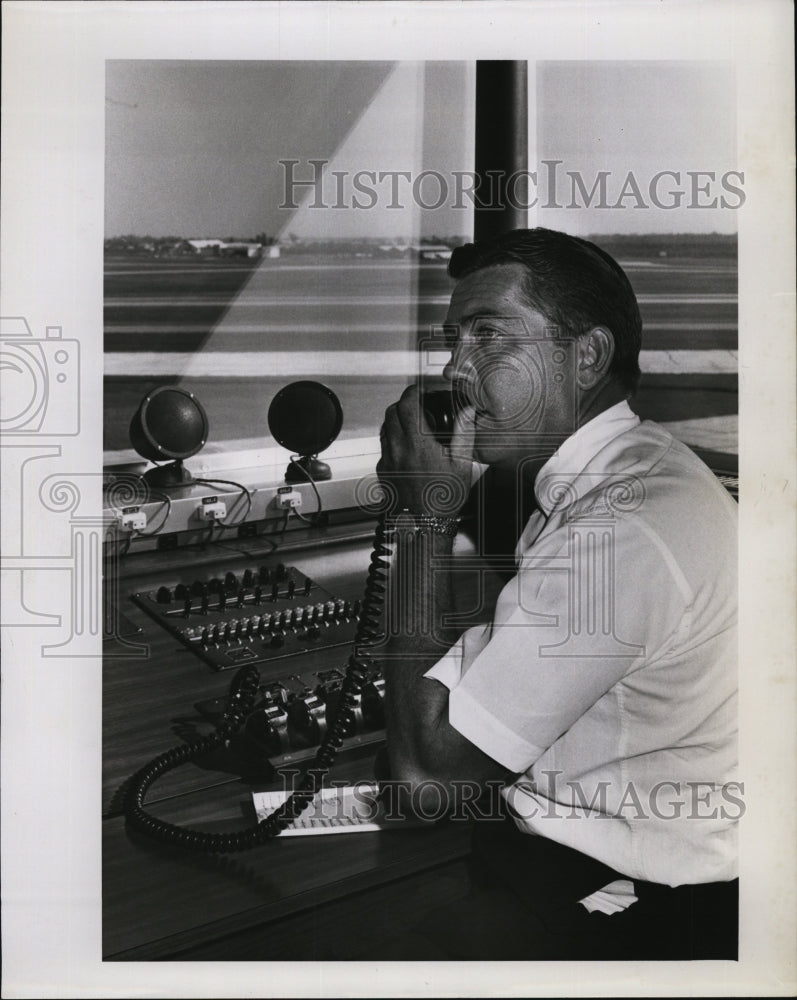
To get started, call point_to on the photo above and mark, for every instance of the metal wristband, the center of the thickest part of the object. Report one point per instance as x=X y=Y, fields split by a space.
x=431 y=523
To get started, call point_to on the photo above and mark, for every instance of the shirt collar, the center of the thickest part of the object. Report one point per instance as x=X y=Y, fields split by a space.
x=562 y=468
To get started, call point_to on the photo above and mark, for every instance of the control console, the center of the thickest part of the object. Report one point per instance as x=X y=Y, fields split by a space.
x=262 y=613
x=291 y=714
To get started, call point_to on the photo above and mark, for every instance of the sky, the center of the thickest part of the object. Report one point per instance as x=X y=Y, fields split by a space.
x=640 y=119
x=201 y=149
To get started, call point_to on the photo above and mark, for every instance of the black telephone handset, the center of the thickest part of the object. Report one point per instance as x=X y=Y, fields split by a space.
x=440 y=408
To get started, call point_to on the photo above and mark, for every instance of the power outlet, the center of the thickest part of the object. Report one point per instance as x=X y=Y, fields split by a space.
x=212 y=509
x=288 y=499
x=132 y=519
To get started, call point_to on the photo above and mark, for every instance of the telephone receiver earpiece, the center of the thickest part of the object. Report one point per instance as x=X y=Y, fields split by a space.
x=440 y=408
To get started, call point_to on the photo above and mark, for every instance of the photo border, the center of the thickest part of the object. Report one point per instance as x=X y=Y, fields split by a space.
x=53 y=182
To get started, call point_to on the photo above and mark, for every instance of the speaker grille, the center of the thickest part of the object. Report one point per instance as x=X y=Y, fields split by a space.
x=305 y=417
x=170 y=423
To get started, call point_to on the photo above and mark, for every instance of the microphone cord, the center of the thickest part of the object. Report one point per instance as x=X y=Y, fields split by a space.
x=240 y=702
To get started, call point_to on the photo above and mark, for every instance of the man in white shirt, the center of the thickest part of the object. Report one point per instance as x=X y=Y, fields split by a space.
x=602 y=693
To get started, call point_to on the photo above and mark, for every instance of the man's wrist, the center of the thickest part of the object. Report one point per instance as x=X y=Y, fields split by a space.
x=424 y=523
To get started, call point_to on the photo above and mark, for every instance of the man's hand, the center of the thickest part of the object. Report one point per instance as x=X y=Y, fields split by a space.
x=423 y=475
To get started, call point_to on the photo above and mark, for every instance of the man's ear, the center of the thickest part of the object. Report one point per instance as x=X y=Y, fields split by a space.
x=595 y=352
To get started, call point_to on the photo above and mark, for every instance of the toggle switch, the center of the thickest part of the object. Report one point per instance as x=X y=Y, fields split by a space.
x=267 y=727
x=308 y=717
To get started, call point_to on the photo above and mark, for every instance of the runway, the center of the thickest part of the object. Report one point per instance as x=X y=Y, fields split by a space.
x=304 y=364
x=235 y=331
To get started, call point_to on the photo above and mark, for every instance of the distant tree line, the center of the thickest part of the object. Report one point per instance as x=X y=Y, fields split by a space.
x=623 y=245
x=172 y=245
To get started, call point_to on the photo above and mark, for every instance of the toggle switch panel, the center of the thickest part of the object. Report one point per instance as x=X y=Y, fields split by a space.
x=260 y=613
x=291 y=715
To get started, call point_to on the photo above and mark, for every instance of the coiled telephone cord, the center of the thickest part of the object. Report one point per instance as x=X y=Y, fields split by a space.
x=240 y=702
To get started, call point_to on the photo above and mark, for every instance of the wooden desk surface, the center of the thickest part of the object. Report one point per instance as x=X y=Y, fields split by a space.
x=163 y=902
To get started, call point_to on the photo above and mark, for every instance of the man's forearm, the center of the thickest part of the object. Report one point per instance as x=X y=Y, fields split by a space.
x=419 y=599
x=421 y=743
x=420 y=594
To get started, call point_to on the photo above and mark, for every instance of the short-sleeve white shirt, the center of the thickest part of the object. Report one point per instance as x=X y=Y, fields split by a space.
x=607 y=679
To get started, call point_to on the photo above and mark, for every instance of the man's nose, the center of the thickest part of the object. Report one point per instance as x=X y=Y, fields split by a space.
x=459 y=367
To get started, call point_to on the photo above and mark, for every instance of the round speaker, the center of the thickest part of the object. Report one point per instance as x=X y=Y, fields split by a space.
x=305 y=417
x=170 y=423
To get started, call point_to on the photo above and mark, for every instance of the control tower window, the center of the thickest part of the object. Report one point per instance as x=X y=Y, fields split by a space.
x=272 y=221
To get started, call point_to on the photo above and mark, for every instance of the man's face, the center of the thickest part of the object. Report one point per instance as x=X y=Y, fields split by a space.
x=510 y=367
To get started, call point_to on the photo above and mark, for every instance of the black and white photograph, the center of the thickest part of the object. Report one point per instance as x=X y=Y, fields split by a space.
x=397 y=440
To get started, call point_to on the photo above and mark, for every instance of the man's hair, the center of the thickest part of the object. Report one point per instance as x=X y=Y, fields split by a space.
x=572 y=283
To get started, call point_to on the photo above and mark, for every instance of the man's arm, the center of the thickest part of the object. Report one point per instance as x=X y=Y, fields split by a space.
x=422 y=745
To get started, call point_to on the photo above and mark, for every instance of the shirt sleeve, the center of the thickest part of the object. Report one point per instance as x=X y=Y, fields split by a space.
x=566 y=629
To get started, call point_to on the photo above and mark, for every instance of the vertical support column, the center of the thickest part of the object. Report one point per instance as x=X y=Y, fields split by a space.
x=501 y=147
